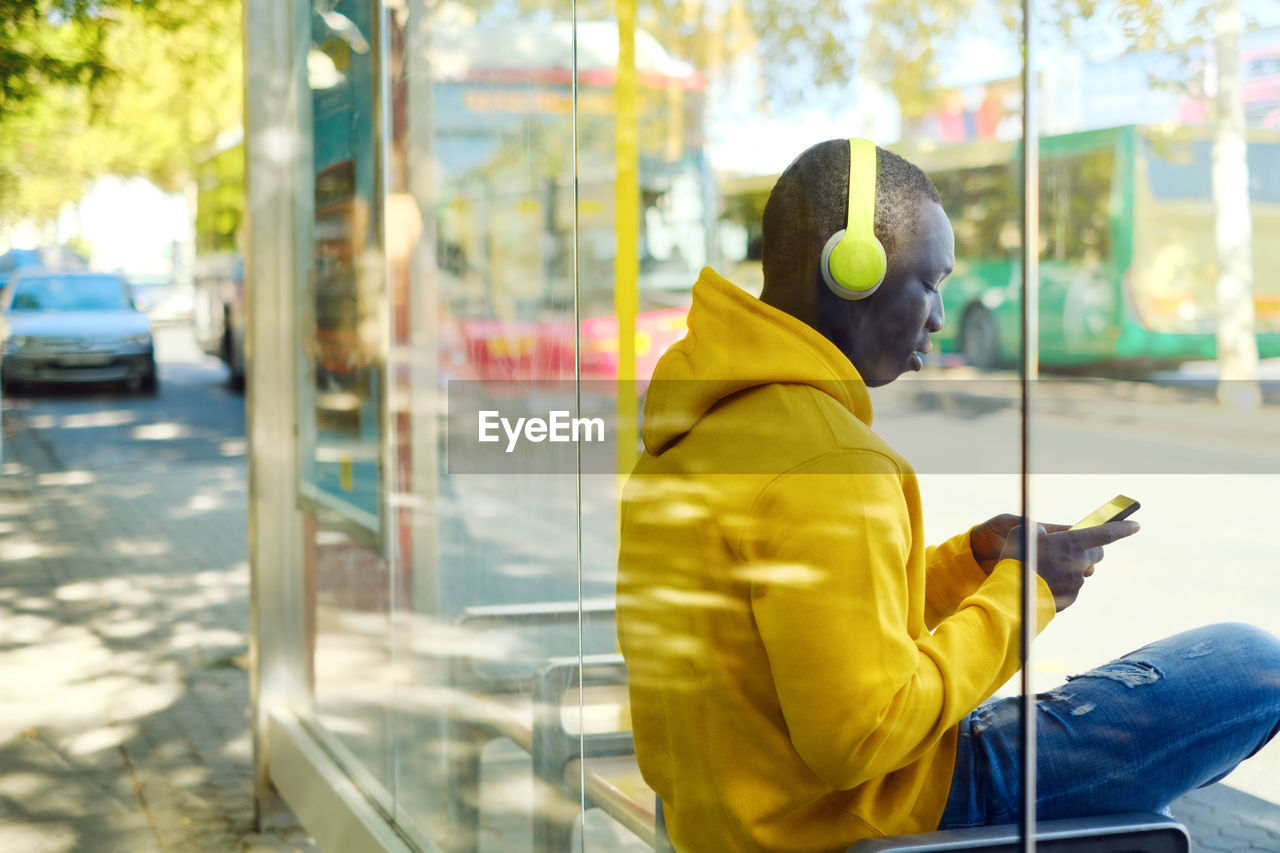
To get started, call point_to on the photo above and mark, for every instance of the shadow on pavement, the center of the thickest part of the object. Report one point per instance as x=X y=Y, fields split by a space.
x=123 y=627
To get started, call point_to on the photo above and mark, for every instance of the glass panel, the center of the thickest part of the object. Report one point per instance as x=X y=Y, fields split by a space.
x=775 y=611
x=350 y=667
x=480 y=218
x=646 y=208
x=341 y=399
x=1158 y=213
x=515 y=207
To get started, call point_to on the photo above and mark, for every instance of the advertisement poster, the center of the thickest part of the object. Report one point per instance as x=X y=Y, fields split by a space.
x=342 y=342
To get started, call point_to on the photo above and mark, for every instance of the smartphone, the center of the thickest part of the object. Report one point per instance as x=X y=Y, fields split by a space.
x=1116 y=509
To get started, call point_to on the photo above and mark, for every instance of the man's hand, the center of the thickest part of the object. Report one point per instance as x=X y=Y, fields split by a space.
x=1064 y=557
x=986 y=541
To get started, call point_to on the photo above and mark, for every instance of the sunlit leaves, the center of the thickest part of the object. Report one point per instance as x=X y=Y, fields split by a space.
x=130 y=87
x=178 y=86
x=45 y=42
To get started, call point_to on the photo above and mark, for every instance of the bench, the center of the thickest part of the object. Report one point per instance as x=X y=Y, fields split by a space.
x=528 y=708
x=1121 y=833
x=589 y=752
x=611 y=779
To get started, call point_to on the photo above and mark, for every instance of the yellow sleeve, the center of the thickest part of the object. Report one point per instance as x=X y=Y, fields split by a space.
x=951 y=575
x=838 y=601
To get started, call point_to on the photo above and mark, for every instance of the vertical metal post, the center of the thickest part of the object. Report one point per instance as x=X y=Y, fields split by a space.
x=275 y=84
x=1030 y=371
x=424 y=313
x=626 y=262
x=390 y=400
x=577 y=375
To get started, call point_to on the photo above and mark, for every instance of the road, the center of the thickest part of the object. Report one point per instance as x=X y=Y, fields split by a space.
x=1209 y=483
x=195 y=416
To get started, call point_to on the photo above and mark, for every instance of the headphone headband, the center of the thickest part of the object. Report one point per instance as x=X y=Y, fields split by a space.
x=853 y=261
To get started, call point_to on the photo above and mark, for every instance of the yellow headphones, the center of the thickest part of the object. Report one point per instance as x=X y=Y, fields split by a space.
x=853 y=261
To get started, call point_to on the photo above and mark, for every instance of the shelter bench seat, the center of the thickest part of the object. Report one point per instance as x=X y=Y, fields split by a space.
x=531 y=710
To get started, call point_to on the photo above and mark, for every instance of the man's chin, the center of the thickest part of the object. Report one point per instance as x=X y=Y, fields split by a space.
x=914 y=364
x=884 y=370
x=880 y=379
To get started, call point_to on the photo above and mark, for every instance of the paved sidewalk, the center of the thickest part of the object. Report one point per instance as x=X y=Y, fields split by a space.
x=1222 y=819
x=124 y=721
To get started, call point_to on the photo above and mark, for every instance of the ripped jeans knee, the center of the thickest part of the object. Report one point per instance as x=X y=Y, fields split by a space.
x=1130 y=735
x=1127 y=671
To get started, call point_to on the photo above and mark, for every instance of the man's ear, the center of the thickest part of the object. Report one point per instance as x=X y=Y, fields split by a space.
x=834 y=318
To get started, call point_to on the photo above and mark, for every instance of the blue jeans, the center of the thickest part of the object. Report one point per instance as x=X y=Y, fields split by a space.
x=1130 y=736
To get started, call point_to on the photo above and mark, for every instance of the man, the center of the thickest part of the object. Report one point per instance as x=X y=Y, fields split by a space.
x=804 y=672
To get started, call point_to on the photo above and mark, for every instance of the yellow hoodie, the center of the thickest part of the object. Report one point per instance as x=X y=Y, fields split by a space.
x=798 y=660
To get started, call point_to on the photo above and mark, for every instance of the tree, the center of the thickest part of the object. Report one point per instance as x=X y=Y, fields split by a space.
x=162 y=80
x=1237 y=343
x=47 y=47
x=44 y=42
x=177 y=86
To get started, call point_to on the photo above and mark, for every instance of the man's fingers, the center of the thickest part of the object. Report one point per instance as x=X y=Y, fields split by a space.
x=1047 y=527
x=1105 y=534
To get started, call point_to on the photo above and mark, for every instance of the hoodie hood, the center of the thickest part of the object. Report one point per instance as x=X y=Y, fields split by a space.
x=736 y=342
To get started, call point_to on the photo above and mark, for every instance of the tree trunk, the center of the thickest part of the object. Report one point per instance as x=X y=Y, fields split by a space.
x=1237 y=343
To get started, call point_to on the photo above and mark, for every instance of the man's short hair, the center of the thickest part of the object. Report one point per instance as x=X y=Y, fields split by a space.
x=809 y=204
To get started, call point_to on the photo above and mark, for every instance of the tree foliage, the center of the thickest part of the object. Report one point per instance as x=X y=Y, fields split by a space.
x=126 y=87
x=49 y=42
x=908 y=44
x=176 y=86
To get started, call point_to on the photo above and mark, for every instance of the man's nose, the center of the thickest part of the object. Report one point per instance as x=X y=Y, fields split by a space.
x=937 y=315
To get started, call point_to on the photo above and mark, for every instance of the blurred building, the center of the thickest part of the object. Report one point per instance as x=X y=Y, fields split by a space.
x=1148 y=87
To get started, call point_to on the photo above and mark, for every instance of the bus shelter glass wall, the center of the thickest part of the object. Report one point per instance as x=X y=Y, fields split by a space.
x=510 y=249
x=339 y=306
x=1159 y=334
x=480 y=216
x=733 y=102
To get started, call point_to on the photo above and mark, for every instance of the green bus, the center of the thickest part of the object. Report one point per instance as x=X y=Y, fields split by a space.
x=1128 y=265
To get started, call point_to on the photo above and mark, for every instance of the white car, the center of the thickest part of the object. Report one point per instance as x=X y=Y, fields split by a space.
x=61 y=327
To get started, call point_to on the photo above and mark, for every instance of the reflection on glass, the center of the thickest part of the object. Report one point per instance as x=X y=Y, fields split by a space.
x=754 y=597
x=340 y=402
x=485 y=211
x=350 y=664
x=486 y=752
x=1158 y=229
x=480 y=223
x=506 y=209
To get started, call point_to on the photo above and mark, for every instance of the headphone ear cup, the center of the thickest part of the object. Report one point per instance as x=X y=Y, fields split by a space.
x=853 y=261
x=853 y=268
